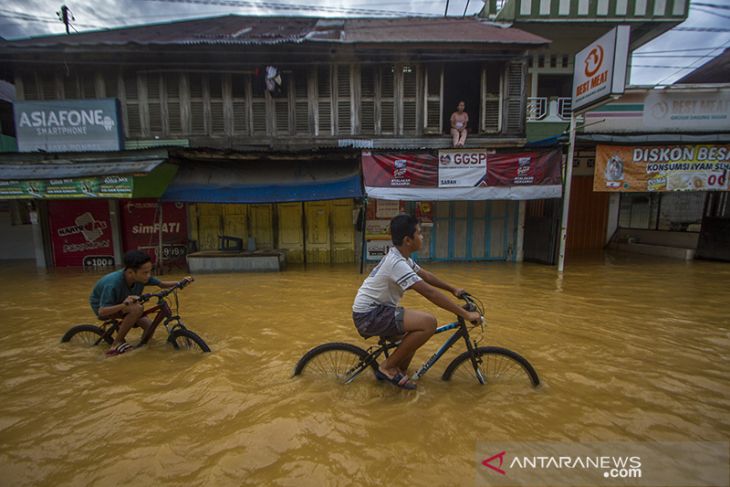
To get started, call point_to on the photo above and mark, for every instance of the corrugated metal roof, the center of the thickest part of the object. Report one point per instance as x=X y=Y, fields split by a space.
x=58 y=169
x=246 y=30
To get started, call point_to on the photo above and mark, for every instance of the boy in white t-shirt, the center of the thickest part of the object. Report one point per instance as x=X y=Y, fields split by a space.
x=376 y=311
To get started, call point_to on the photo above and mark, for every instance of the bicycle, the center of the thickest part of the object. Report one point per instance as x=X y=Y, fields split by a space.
x=345 y=362
x=178 y=335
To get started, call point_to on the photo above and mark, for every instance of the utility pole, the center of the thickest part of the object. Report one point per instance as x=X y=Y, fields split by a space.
x=63 y=16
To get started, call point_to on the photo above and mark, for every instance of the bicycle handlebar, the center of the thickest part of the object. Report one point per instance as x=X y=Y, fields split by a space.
x=471 y=305
x=162 y=294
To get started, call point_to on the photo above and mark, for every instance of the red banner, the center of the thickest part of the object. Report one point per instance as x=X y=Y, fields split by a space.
x=81 y=233
x=400 y=170
x=141 y=229
x=524 y=168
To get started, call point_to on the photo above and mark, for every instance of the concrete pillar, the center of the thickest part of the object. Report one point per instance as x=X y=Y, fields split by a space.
x=38 y=245
x=115 y=223
x=520 y=253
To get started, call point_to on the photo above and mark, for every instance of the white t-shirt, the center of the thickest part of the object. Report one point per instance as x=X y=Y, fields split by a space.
x=387 y=282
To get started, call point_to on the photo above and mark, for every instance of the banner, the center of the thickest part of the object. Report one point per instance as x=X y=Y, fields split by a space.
x=101 y=187
x=81 y=233
x=697 y=167
x=463 y=175
x=461 y=168
x=141 y=229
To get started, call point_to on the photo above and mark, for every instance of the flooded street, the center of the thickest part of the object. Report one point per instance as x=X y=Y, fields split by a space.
x=628 y=349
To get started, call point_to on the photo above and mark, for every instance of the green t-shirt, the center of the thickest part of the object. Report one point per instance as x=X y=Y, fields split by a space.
x=112 y=289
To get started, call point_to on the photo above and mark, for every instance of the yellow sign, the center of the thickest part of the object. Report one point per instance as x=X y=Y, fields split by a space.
x=698 y=167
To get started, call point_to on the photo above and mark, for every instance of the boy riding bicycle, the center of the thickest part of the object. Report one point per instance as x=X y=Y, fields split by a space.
x=115 y=296
x=376 y=311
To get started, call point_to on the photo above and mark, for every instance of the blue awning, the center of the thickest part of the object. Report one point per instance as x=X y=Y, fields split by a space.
x=265 y=182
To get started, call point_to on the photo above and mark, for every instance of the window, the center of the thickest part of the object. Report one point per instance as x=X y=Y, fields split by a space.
x=197 y=104
x=367 y=99
x=30 y=86
x=324 y=101
x=258 y=105
x=131 y=104
x=433 y=93
x=410 y=90
x=281 y=105
x=240 y=86
x=492 y=82
x=678 y=212
x=172 y=89
x=217 y=116
x=154 y=103
x=387 y=100
x=301 y=102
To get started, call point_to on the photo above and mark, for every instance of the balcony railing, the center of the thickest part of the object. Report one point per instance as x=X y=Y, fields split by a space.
x=549 y=109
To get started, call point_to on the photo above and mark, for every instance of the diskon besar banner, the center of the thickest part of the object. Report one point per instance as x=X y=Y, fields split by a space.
x=695 y=167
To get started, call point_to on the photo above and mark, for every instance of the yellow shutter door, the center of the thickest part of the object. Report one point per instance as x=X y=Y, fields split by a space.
x=209 y=225
x=291 y=234
x=262 y=225
x=318 y=232
x=343 y=232
x=234 y=222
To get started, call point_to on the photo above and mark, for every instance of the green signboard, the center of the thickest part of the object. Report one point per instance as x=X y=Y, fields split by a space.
x=96 y=187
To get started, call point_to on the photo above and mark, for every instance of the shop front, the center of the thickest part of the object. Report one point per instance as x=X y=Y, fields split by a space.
x=470 y=201
x=303 y=207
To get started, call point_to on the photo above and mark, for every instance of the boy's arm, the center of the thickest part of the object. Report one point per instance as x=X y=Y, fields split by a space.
x=436 y=297
x=435 y=281
x=169 y=284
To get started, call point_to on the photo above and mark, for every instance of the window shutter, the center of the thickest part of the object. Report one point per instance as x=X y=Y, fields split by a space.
x=48 y=87
x=367 y=99
x=387 y=100
x=70 y=87
x=88 y=85
x=433 y=119
x=30 y=87
x=239 y=85
x=324 y=101
x=154 y=104
x=301 y=103
x=515 y=98
x=217 y=115
x=410 y=81
x=197 y=106
x=492 y=82
x=134 y=126
x=281 y=107
x=172 y=87
x=344 y=104
x=111 y=89
x=258 y=105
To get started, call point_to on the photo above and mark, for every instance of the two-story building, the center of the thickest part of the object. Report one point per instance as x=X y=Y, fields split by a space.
x=259 y=126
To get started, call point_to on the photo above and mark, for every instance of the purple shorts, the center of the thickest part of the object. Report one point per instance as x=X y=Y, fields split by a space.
x=383 y=320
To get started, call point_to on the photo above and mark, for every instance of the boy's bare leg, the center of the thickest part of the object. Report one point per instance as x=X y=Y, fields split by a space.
x=146 y=323
x=419 y=327
x=133 y=315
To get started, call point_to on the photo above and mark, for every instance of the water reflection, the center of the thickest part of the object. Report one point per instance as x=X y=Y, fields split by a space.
x=628 y=348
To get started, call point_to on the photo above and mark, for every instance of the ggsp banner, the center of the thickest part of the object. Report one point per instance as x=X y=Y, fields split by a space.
x=697 y=167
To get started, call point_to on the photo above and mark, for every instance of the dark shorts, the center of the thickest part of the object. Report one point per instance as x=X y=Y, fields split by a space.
x=383 y=320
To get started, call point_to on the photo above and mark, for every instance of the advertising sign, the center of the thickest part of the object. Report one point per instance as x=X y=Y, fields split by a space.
x=400 y=170
x=68 y=125
x=141 y=229
x=696 y=112
x=700 y=167
x=600 y=69
x=525 y=169
x=462 y=167
x=81 y=233
x=101 y=187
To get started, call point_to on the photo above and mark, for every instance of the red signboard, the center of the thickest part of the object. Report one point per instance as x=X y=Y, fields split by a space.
x=81 y=233
x=400 y=170
x=141 y=229
x=524 y=168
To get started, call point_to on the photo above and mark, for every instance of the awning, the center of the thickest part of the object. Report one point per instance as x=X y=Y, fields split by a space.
x=85 y=178
x=265 y=181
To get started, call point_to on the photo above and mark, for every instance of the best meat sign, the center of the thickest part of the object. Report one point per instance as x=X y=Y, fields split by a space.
x=600 y=69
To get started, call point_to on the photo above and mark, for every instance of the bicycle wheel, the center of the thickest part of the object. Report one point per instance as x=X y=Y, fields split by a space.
x=341 y=362
x=182 y=339
x=496 y=365
x=86 y=335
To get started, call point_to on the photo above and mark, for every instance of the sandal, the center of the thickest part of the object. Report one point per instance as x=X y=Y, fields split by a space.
x=119 y=349
x=398 y=380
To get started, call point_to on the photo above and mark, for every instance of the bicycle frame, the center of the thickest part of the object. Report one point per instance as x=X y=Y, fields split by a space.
x=462 y=332
x=164 y=315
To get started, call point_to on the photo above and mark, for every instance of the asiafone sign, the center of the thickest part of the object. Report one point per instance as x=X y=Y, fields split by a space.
x=68 y=125
x=600 y=69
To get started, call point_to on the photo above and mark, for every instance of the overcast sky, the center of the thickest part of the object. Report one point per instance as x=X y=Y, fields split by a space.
x=24 y=18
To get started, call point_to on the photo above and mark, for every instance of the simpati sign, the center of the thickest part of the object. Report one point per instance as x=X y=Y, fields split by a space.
x=68 y=125
x=462 y=168
x=600 y=69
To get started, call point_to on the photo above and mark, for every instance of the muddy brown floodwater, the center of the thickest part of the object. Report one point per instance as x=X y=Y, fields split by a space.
x=628 y=348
